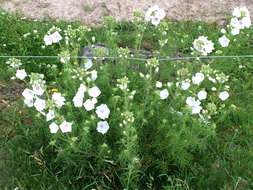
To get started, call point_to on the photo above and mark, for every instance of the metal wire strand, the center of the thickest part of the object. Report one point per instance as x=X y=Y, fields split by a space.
x=133 y=58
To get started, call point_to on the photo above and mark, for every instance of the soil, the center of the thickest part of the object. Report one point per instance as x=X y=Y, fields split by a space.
x=9 y=93
x=91 y=12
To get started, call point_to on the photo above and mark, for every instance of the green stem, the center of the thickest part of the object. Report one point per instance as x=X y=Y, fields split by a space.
x=129 y=177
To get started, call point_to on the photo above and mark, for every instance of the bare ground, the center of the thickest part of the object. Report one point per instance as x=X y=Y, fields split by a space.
x=91 y=12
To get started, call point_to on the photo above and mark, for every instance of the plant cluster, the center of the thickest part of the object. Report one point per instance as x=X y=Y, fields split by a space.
x=124 y=124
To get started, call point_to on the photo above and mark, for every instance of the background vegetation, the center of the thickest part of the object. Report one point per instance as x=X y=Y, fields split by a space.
x=172 y=157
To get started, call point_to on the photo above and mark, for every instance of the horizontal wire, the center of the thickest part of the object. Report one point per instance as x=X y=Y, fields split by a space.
x=133 y=58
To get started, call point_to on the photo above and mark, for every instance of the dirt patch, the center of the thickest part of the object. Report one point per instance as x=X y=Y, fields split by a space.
x=9 y=93
x=92 y=12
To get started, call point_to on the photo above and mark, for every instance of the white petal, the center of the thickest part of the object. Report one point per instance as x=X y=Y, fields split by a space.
x=88 y=64
x=102 y=127
x=164 y=94
x=66 y=127
x=53 y=127
x=94 y=92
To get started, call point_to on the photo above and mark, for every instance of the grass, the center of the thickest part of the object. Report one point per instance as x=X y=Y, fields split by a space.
x=225 y=163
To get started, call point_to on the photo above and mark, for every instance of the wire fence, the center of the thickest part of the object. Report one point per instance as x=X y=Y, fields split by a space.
x=133 y=58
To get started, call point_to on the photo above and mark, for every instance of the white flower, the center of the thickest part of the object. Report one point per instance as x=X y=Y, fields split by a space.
x=235 y=23
x=241 y=25
x=94 y=100
x=27 y=34
x=244 y=12
x=94 y=75
x=28 y=102
x=89 y=105
x=224 y=95
x=150 y=12
x=53 y=127
x=58 y=98
x=39 y=104
x=185 y=85
x=202 y=95
x=56 y=37
x=122 y=87
x=159 y=84
x=190 y=101
x=48 y=40
x=223 y=31
x=203 y=45
x=155 y=15
x=194 y=104
x=43 y=113
x=94 y=92
x=88 y=64
x=164 y=94
x=28 y=94
x=196 y=109
x=246 y=21
x=136 y=160
x=37 y=89
x=103 y=111
x=160 y=14
x=102 y=127
x=21 y=74
x=64 y=59
x=236 y=12
x=78 y=101
x=198 y=78
x=50 y=115
x=224 y=41
x=235 y=31
x=13 y=63
x=212 y=79
x=213 y=89
x=66 y=127
x=169 y=84
x=82 y=88
x=42 y=76
x=155 y=21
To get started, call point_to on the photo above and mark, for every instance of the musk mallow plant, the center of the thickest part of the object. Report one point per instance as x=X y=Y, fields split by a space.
x=207 y=92
x=240 y=20
x=127 y=118
x=129 y=154
x=203 y=46
x=53 y=36
x=50 y=105
x=154 y=15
